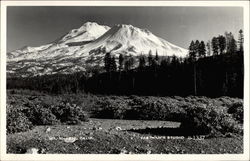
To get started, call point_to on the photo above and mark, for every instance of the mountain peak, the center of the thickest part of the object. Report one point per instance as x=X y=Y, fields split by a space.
x=89 y=24
x=87 y=32
x=132 y=28
x=124 y=26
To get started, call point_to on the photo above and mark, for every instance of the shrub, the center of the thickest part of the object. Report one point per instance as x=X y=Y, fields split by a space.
x=69 y=113
x=236 y=109
x=17 y=121
x=40 y=115
x=135 y=110
x=196 y=119
x=111 y=108
x=208 y=119
x=200 y=114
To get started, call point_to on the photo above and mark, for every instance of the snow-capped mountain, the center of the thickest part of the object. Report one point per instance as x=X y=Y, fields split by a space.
x=88 y=32
x=130 y=40
x=86 y=46
x=85 y=34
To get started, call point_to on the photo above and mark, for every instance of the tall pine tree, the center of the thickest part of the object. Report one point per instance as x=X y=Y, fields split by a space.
x=113 y=66
x=193 y=56
x=107 y=62
x=121 y=62
x=215 y=46
x=208 y=45
x=232 y=46
x=192 y=52
x=221 y=43
x=202 y=49
x=150 y=58
x=241 y=40
x=142 y=62
x=196 y=48
x=157 y=57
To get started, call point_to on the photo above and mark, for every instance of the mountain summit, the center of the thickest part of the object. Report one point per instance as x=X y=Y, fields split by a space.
x=127 y=39
x=86 y=46
x=87 y=32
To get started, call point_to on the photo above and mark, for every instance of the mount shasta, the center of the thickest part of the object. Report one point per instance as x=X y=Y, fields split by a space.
x=86 y=46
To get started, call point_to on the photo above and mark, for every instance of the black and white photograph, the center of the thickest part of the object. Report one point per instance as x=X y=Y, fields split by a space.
x=125 y=79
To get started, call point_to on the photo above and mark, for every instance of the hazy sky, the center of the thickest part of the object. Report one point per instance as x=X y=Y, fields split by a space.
x=35 y=25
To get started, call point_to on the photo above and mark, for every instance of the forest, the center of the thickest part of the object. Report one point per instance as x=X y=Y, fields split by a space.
x=212 y=69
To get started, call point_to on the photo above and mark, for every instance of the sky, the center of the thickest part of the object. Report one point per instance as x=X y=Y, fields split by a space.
x=39 y=25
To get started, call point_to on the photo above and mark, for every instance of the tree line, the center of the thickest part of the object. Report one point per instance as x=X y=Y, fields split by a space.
x=211 y=69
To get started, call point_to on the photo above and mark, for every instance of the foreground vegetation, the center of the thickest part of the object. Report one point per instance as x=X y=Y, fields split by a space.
x=204 y=115
x=89 y=139
x=113 y=124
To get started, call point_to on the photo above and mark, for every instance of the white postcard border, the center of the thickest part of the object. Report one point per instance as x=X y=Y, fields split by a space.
x=244 y=156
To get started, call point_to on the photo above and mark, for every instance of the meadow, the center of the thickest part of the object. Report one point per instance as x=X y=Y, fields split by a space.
x=123 y=124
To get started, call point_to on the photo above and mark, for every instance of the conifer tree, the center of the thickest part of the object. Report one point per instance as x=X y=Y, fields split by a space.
x=215 y=46
x=193 y=57
x=156 y=56
x=241 y=40
x=142 y=62
x=221 y=43
x=232 y=46
x=175 y=61
x=208 y=45
x=107 y=62
x=129 y=63
x=197 y=48
x=113 y=66
x=202 y=49
x=121 y=62
x=192 y=52
x=126 y=65
x=165 y=62
x=150 y=58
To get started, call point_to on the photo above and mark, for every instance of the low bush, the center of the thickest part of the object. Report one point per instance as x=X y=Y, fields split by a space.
x=17 y=121
x=207 y=119
x=201 y=114
x=24 y=112
x=236 y=109
x=69 y=113
x=110 y=108
x=154 y=108
x=40 y=115
x=226 y=101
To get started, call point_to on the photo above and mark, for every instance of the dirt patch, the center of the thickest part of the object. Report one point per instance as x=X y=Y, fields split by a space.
x=164 y=131
x=101 y=136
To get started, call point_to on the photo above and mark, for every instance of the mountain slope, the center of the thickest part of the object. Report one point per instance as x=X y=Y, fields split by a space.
x=86 y=46
x=127 y=39
x=88 y=32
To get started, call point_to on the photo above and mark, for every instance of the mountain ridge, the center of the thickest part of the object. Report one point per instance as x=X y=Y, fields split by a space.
x=87 y=45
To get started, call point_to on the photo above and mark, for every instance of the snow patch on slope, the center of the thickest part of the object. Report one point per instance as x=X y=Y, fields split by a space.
x=132 y=40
